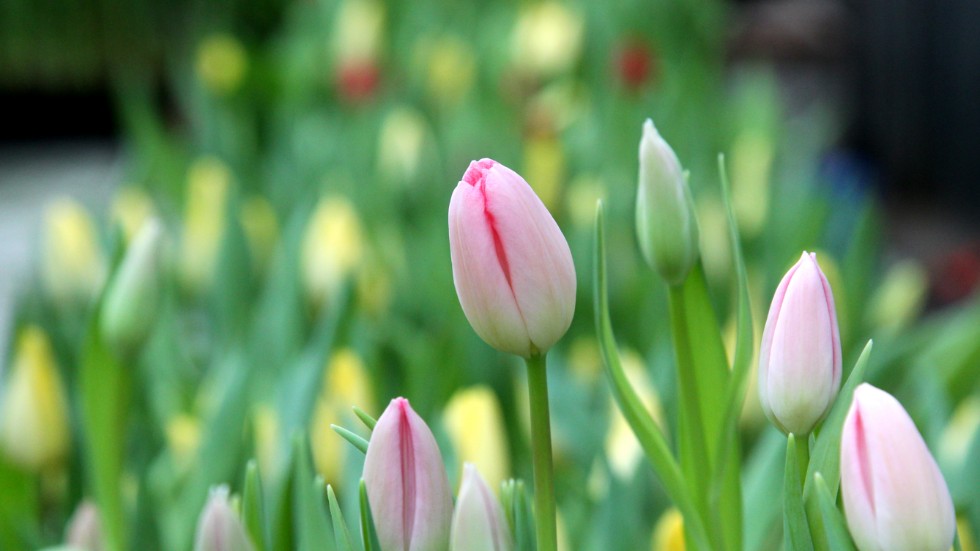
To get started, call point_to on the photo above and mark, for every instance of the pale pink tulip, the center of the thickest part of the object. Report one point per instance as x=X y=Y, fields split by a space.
x=219 y=528
x=478 y=522
x=800 y=356
x=511 y=264
x=895 y=498
x=406 y=483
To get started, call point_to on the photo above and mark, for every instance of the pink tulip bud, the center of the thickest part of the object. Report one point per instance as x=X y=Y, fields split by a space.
x=406 y=483
x=84 y=529
x=800 y=358
x=511 y=264
x=219 y=528
x=895 y=498
x=478 y=522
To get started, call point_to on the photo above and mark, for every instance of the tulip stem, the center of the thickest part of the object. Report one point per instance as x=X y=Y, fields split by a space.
x=803 y=455
x=544 y=485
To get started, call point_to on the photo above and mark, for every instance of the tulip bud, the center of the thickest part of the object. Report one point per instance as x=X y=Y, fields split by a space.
x=219 y=528
x=476 y=427
x=800 y=357
x=478 y=521
x=665 y=221
x=668 y=534
x=511 y=264
x=547 y=39
x=406 y=483
x=894 y=495
x=132 y=296
x=221 y=63
x=332 y=248
x=345 y=384
x=73 y=268
x=261 y=227
x=34 y=417
x=209 y=182
x=131 y=208
x=84 y=530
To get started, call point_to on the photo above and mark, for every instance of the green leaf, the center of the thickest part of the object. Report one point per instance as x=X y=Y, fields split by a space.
x=253 y=513
x=834 y=527
x=19 y=508
x=354 y=439
x=368 y=536
x=310 y=517
x=340 y=532
x=368 y=421
x=825 y=457
x=517 y=508
x=647 y=432
x=796 y=528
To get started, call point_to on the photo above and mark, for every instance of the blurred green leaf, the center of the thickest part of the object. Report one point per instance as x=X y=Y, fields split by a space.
x=833 y=523
x=796 y=528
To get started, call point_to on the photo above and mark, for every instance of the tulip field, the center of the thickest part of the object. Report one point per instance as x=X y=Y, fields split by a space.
x=547 y=276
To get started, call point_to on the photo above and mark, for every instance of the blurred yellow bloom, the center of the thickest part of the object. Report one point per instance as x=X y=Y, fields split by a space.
x=374 y=287
x=450 y=68
x=544 y=168
x=475 y=426
x=73 y=267
x=623 y=450
x=183 y=433
x=548 y=38
x=899 y=298
x=265 y=423
x=716 y=251
x=668 y=535
x=400 y=143
x=345 y=384
x=261 y=227
x=130 y=209
x=752 y=157
x=208 y=185
x=34 y=416
x=332 y=248
x=583 y=194
x=358 y=31
x=221 y=63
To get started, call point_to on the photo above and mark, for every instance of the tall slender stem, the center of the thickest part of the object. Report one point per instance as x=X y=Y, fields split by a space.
x=802 y=443
x=544 y=484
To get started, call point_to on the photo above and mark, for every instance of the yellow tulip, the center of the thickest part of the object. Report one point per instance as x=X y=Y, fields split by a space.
x=358 y=31
x=345 y=384
x=221 y=63
x=548 y=38
x=668 y=535
x=450 y=68
x=183 y=433
x=261 y=227
x=332 y=248
x=131 y=208
x=475 y=426
x=403 y=134
x=752 y=158
x=73 y=267
x=34 y=421
x=544 y=168
x=208 y=184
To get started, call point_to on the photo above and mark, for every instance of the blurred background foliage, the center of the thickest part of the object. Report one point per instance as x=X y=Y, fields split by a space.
x=301 y=156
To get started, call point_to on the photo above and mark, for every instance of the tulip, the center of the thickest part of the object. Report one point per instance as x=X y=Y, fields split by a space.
x=668 y=534
x=665 y=222
x=209 y=182
x=73 y=267
x=85 y=529
x=261 y=227
x=478 y=521
x=894 y=495
x=346 y=384
x=219 y=528
x=512 y=267
x=132 y=297
x=800 y=357
x=34 y=417
x=332 y=248
x=476 y=427
x=547 y=39
x=400 y=144
x=221 y=64
x=131 y=208
x=406 y=483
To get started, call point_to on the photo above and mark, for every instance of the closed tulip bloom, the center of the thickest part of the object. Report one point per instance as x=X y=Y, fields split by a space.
x=512 y=267
x=219 y=528
x=406 y=483
x=800 y=357
x=478 y=521
x=895 y=498
x=666 y=225
x=132 y=296
x=84 y=530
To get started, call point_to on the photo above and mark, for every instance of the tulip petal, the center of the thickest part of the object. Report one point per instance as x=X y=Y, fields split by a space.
x=478 y=522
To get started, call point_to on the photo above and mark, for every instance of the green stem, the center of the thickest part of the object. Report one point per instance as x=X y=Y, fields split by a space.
x=544 y=485
x=802 y=443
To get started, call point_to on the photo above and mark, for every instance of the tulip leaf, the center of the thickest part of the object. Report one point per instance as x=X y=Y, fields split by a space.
x=825 y=457
x=340 y=532
x=368 y=536
x=833 y=523
x=795 y=527
x=517 y=508
x=18 y=508
x=641 y=422
x=310 y=516
x=368 y=421
x=253 y=513
x=354 y=439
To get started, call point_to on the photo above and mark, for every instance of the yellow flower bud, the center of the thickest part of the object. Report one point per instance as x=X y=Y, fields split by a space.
x=899 y=298
x=183 y=433
x=752 y=158
x=332 y=248
x=450 y=68
x=221 y=63
x=208 y=184
x=668 y=535
x=346 y=384
x=623 y=450
x=400 y=143
x=548 y=38
x=131 y=208
x=34 y=420
x=475 y=426
x=265 y=423
x=358 y=31
x=261 y=227
x=73 y=267
x=544 y=167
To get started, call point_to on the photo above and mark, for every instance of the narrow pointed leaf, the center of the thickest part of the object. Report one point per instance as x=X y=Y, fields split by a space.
x=355 y=440
x=833 y=523
x=340 y=532
x=368 y=537
x=253 y=513
x=368 y=421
